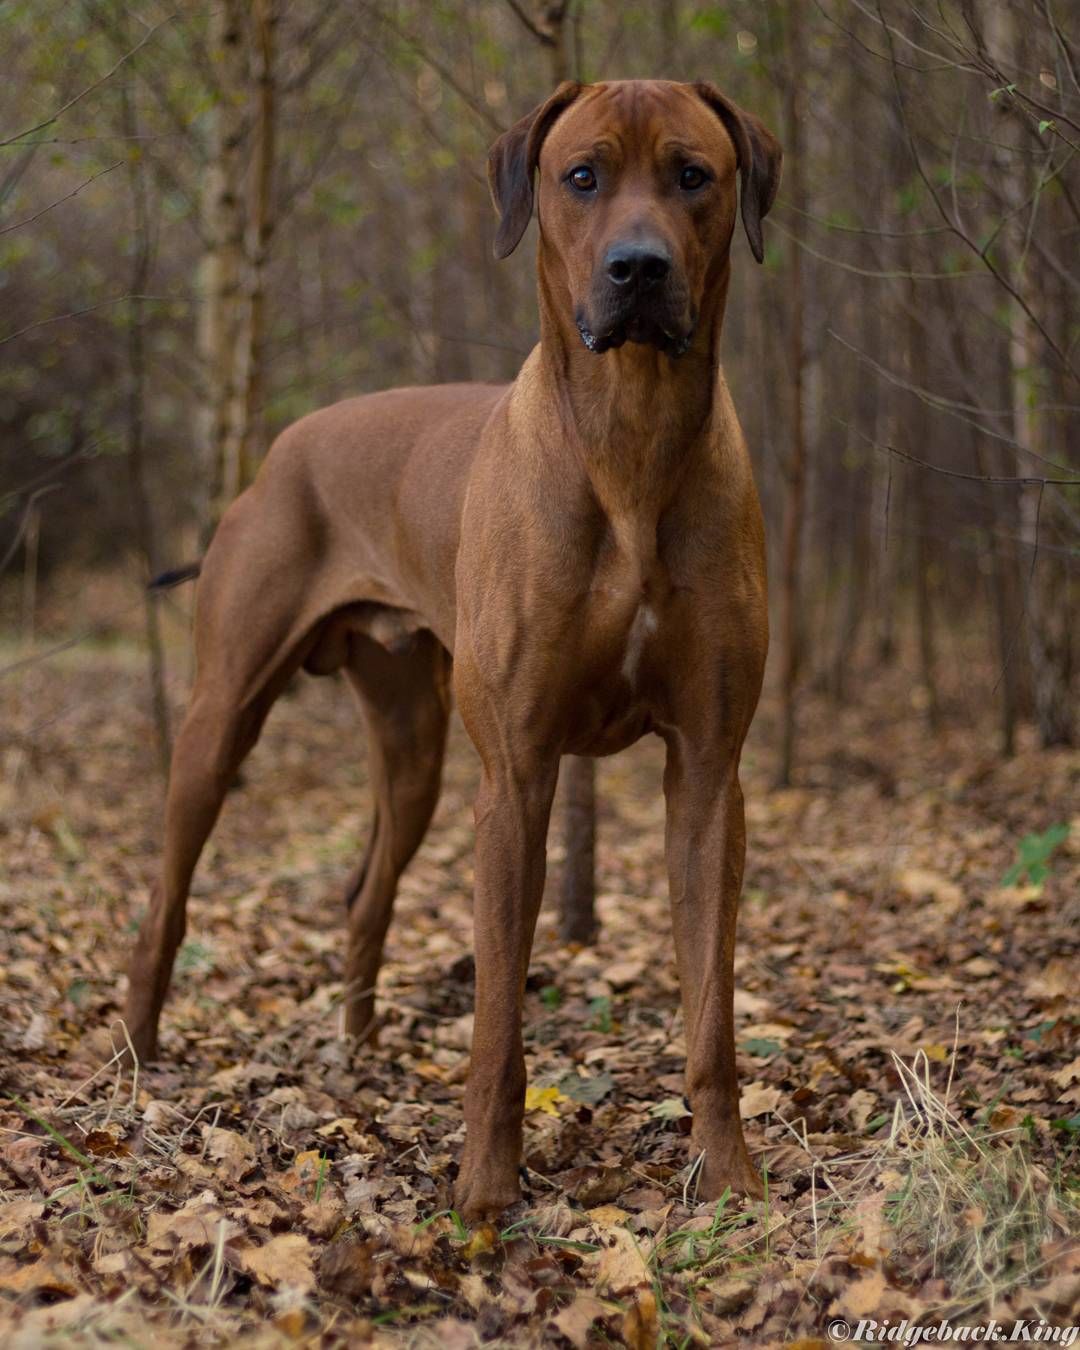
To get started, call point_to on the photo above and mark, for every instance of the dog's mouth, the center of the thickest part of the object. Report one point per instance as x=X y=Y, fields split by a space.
x=637 y=328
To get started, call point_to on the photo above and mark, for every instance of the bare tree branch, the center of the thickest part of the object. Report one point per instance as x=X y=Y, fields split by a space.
x=29 y=220
x=48 y=121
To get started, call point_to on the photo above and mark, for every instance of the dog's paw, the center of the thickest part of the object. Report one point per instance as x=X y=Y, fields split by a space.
x=482 y=1195
x=138 y=1042
x=360 y=1023
x=729 y=1169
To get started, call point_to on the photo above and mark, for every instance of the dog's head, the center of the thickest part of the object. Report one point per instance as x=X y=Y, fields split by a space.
x=637 y=201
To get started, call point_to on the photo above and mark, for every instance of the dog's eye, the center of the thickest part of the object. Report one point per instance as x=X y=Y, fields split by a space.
x=692 y=178
x=582 y=178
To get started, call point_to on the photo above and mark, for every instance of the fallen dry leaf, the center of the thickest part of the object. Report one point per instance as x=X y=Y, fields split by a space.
x=284 y=1260
x=861 y=1106
x=544 y=1099
x=758 y=1099
x=620 y=1265
x=484 y=1238
x=233 y=1154
x=198 y=1224
x=920 y=883
x=308 y=1174
x=43 y=1276
x=609 y=1216
x=861 y=1297
x=346 y=1268
x=641 y=1322
x=729 y=1295
x=15 y=1215
x=578 y=1318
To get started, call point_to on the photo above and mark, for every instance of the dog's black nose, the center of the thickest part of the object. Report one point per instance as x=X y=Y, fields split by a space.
x=637 y=264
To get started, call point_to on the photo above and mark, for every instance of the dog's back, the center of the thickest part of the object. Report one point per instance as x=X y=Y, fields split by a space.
x=374 y=486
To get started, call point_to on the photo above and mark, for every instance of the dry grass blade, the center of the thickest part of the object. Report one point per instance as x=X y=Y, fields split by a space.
x=973 y=1211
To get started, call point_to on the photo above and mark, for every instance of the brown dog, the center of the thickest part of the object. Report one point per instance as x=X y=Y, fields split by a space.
x=586 y=542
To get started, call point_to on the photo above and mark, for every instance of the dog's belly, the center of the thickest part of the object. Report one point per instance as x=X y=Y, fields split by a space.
x=620 y=729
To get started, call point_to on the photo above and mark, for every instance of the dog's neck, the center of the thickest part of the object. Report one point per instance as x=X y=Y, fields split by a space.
x=633 y=414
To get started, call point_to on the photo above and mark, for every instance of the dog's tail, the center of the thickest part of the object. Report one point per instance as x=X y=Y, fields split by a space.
x=176 y=576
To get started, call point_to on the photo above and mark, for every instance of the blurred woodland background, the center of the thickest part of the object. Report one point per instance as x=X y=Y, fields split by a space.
x=216 y=217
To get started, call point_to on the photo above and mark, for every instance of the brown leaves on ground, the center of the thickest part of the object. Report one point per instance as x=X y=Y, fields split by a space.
x=266 y=1180
x=283 y=1261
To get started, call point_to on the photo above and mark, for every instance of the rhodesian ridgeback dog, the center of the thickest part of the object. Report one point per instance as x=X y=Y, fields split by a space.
x=579 y=556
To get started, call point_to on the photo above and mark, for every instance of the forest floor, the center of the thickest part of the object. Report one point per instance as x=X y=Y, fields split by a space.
x=907 y=1031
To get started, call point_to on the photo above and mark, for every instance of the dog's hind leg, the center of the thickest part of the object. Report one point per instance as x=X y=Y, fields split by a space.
x=355 y=883
x=249 y=640
x=212 y=742
x=405 y=699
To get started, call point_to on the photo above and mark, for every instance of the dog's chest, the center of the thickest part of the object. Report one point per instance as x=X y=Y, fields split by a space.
x=643 y=626
x=619 y=660
x=629 y=598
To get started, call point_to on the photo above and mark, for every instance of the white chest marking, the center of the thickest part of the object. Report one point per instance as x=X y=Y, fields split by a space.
x=644 y=624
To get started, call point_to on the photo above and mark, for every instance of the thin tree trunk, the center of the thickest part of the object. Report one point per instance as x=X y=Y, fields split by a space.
x=1003 y=592
x=394 y=228
x=577 y=901
x=924 y=604
x=1047 y=607
x=450 y=355
x=28 y=617
x=243 y=434
x=885 y=486
x=1003 y=577
x=577 y=26
x=919 y=432
x=31 y=543
x=851 y=603
x=882 y=511
x=1046 y=585
x=668 y=15
x=1008 y=652
x=136 y=450
x=221 y=269
x=796 y=474
x=553 y=23
x=577 y=920
x=854 y=569
x=1002 y=587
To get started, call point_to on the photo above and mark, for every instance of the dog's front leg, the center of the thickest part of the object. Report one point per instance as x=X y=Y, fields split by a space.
x=512 y=810
x=706 y=847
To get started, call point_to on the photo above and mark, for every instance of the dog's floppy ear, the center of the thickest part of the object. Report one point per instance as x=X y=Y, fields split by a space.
x=512 y=163
x=760 y=158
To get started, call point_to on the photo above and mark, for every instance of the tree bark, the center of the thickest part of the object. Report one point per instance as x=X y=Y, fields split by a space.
x=577 y=919
x=221 y=269
x=553 y=22
x=1001 y=528
x=243 y=434
x=668 y=16
x=450 y=356
x=135 y=418
x=918 y=425
x=1048 y=616
x=858 y=463
x=796 y=470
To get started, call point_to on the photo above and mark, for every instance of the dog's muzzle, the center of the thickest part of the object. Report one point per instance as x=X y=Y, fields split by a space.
x=637 y=297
